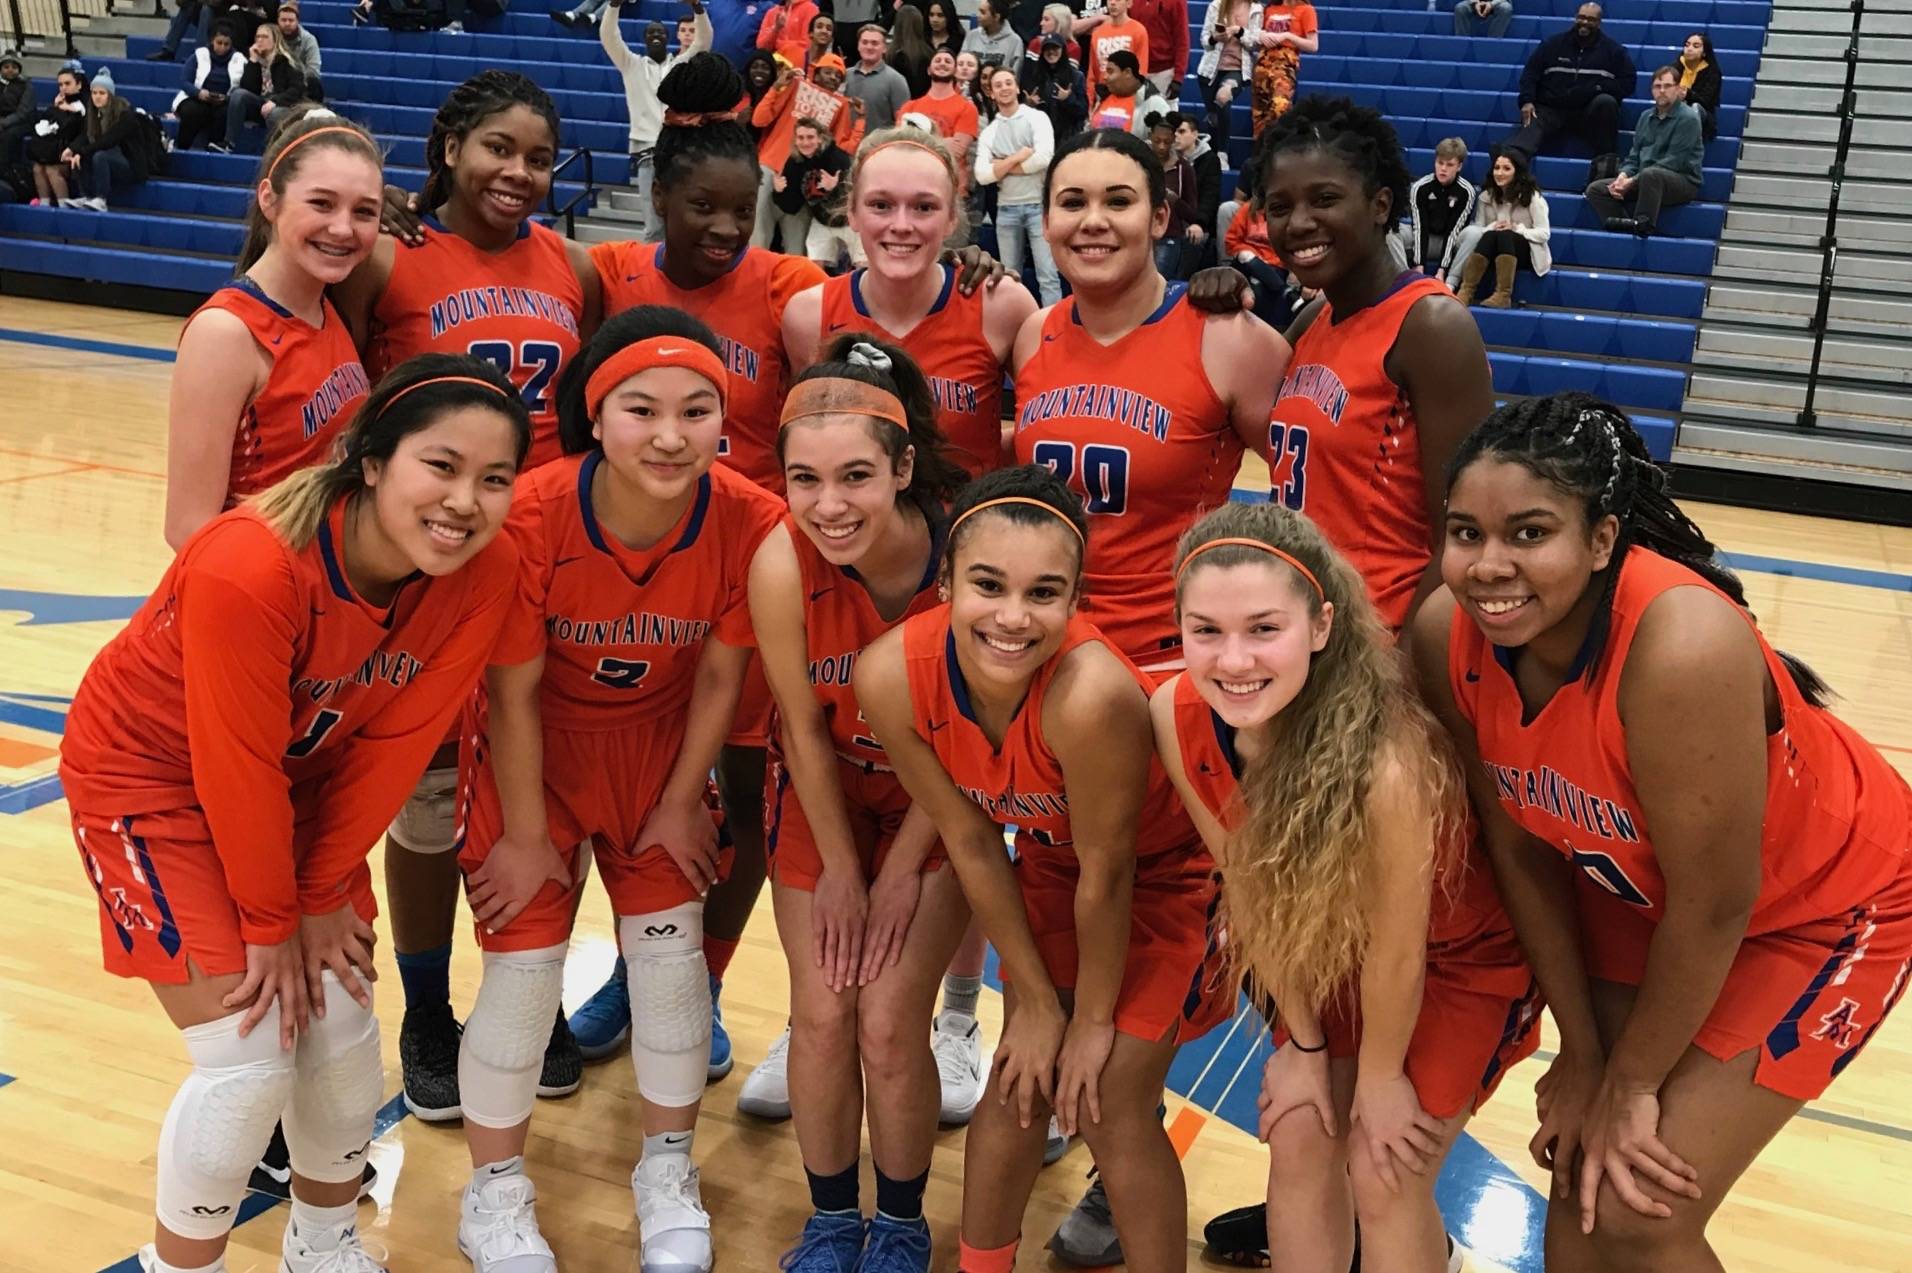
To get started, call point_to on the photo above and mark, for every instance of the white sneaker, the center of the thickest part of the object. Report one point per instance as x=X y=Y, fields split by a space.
x=958 y=1044
x=498 y=1228
x=672 y=1226
x=349 y=1256
x=1056 y=1145
x=766 y=1089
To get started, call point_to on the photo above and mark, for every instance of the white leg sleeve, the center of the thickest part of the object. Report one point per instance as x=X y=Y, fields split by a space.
x=428 y=822
x=341 y=1081
x=506 y=1034
x=670 y=1002
x=219 y=1123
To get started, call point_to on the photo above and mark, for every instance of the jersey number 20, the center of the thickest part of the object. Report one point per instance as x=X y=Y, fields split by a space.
x=535 y=361
x=1104 y=479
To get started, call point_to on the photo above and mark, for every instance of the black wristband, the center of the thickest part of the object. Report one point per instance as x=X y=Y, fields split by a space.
x=1297 y=1045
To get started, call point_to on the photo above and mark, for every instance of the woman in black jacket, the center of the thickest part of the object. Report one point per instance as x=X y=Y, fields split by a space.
x=1054 y=85
x=909 y=48
x=1700 y=77
x=111 y=154
x=272 y=81
x=55 y=130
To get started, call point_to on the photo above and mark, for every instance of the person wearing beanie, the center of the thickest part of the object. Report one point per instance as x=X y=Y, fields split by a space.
x=112 y=153
x=1053 y=84
x=18 y=106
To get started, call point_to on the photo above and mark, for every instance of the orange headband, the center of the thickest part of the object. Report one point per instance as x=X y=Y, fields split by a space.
x=303 y=138
x=1018 y=499
x=656 y=351
x=442 y=380
x=1256 y=544
x=834 y=395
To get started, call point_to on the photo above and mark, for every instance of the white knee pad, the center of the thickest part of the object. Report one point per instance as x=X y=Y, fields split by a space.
x=670 y=1002
x=341 y=1081
x=506 y=1034
x=219 y=1123
x=429 y=821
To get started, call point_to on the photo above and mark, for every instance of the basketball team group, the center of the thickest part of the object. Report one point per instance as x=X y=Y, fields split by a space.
x=687 y=563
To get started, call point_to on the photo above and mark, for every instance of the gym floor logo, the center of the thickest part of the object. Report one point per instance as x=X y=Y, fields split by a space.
x=31 y=724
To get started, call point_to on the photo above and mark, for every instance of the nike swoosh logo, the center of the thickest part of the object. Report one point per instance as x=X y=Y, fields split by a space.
x=1046 y=339
x=1206 y=768
x=676 y=1140
x=837 y=327
x=1472 y=676
x=668 y=353
x=820 y=592
x=565 y=561
x=937 y=724
x=632 y=278
x=277 y=337
x=497 y=1168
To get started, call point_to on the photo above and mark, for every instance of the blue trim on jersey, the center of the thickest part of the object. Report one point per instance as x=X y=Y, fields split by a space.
x=958 y=687
x=1401 y=280
x=700 y=507
x=251 y=288
x=938 y=531
x=1170 y=295
x=334 y=571
x=431 y=219
x=1225 y=739
x=942 y=297
x=1589 y=650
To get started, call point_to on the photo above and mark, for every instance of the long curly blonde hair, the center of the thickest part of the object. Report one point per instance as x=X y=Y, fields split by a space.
x=1298 y=869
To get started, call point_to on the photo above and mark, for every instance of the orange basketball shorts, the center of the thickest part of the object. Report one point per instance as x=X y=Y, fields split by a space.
x=876 y=802
x=599 y=787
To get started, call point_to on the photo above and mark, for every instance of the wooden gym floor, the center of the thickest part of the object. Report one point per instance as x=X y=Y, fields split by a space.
x=88 y=1063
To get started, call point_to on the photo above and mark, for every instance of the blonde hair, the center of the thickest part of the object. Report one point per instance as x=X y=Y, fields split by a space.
x=903 y=135
x=1299 y=869
x=1064 y=20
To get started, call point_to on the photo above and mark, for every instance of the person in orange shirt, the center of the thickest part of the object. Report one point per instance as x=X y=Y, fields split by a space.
x=267 y=374
x=232 y=756
x=953 y=115
x=791 y=98
x=1119 y=31
x=785 y=30
x=1711 y=872
x=1287 y=31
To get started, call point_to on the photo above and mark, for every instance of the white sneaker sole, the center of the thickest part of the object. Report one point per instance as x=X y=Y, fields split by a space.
x=958 y=1115
x=426 y=1114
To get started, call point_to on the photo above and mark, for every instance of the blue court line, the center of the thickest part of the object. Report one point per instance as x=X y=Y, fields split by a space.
x=254 y=1205
x=117 y=348
x=5 y=1079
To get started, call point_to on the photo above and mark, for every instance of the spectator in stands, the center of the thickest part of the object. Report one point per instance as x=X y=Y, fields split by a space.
x=1574 y=83
x=1228 y=57
x=969 y=69
x=850 y=17
x=1053 y=84
x=791 y=98
x=1013 y=154
x=18 y=106
x=641 y=75
x=1193 y=146
x=245 y=17
x=1510 y=232
x=993 y=40
x=61 y=124
x=1173 y=260
x=1439 y=207
x=1166 y=21
x=874 y=82
x=1663 y=168
x=187 y=15
x=1700 y=81
x=909 y=48
x=1490 y=18
x=760 y=76
x=1128 y=101
x=1247 y=248
x=814 y=169
x=272 y=81
x=822 y=41
x=116 y=150
x=1119 y=33
x=303 y=46
x=456 y=10
x=1058 y=21
x=786 y=29
x=201 y=106
x=945 y=27
x=1287 y=31
x=952 y=116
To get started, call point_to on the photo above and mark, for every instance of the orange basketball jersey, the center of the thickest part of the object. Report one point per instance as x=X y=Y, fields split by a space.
x=1021 y=782
x=839 y=620
x=255 y=684
x=518 y=309
x=1344 y=449
x=313 y=391
x=1837 y=818
x=745 y=309
x=621 y=629
x=1136 y=429
x=953 y=351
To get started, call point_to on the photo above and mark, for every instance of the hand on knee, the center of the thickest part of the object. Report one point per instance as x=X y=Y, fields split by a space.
x=340 y=1082
x=1300 y=1147
x=1384 y=1185
x=1626 y=1239
x=506 y=1034
x=220 y=1122
x=670 y=1002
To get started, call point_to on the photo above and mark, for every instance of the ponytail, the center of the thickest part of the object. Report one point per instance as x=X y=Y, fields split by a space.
x=934 y=477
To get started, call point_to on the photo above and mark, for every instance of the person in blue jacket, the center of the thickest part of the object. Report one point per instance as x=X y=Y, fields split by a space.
x=1574 y=83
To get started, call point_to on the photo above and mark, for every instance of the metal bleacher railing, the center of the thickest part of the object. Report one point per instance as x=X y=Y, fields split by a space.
x=42 y=24
x=1829 y=243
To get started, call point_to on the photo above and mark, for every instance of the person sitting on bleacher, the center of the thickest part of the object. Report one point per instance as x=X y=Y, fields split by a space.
x=1510 y=231
x=1700 y=81
x=115 y=151
x=201 y=105
x=1574 y=83
x=58 y=127
x=272 y=81
x=1662 y=169
x=17 y=107
x=1440 y=205
x=303 y=47
x=1490 y=18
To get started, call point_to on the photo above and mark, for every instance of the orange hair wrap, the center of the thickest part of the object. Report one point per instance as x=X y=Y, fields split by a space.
x=1050 y=509
x=1258 y=546
x=656 y=351
x=303 y=138
x=835 y=395
x=439 y=380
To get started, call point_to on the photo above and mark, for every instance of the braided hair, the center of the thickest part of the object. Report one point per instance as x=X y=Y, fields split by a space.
x=1589 y=449
x=485 y=94
x=1359 y=136
x=702 y=85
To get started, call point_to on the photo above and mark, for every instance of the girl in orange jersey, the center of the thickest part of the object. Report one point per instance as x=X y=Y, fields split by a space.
x=1711 y=873
x=1388 y=372
x=609 y=696
x=1347 y=894
x=481 y=278
x=1142 y=403
x=232 y=756
x=903 y=205
x=267 y=374
x=1007 y=706
x=867 y=915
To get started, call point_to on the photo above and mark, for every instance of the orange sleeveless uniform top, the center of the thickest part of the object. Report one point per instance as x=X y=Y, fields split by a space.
x=518 y=309
x=257 y=686
x=1137 y=430
x=314 y=389
x=1021 y=783
x=745 y=308
x=1344 y=449
x=839 y=620
x=621 y=629
x=1837 y=814
x=949 y=344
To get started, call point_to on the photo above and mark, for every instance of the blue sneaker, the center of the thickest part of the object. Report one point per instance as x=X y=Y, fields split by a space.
x=896 y=1246
x=830 y=1243
x=602 y=1026
x=721 y=1060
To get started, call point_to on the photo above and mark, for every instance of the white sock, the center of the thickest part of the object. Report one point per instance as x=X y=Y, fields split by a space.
x=160 y=1266
x=960 y=994
x=668 y=1143
x=513 y=1166
x=321 y=1228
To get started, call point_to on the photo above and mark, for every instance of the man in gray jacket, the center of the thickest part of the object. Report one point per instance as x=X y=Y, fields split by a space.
x=304 y=48
x=1662 y=169
x=874 y=82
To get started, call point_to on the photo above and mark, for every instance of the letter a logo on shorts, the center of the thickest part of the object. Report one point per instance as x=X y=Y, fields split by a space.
x=1840 y=1025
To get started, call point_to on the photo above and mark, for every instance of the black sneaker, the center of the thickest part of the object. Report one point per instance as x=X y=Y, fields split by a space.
x=1239 y=1237
x=272 y=1175
x=163 y=55
x=428 y=1055
x=563 y=1071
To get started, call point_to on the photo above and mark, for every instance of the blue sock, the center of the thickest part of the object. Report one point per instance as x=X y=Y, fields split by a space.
x=426 y=977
